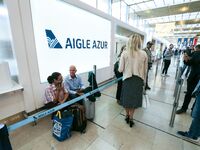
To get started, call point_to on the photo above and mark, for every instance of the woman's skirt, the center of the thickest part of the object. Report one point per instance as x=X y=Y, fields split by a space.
x=132 y=90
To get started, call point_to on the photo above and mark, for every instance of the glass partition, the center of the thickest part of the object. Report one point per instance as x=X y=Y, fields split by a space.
x=7 y=56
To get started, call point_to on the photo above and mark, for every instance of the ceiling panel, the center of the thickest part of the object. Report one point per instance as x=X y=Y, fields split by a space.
x=185 y=14
x=172 y=10
x=182 y=17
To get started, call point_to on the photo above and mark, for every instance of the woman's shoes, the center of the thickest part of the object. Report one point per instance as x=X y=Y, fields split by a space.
x=127 y=119
x=131 y=123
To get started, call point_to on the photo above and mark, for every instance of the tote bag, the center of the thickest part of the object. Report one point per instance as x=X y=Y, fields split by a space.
x=62 y=124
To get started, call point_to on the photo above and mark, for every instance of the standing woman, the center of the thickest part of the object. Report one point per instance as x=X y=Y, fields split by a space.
x=133 y=64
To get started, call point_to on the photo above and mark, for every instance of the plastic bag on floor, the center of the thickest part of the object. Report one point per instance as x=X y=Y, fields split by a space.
x=145 y=101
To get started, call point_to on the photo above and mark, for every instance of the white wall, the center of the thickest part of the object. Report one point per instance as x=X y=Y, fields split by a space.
x=10 y=104
x=24 y=45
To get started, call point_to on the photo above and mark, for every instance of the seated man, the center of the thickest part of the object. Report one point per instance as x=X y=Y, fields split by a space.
x=73 y=84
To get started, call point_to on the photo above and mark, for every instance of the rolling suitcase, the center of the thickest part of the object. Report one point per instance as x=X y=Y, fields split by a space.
x=90 y=109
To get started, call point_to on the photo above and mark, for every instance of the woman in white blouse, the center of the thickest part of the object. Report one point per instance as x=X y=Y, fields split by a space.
x=133 y=64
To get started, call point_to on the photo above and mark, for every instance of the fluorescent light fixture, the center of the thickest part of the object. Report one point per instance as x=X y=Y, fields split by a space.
x=183 y=9
x=135 y=2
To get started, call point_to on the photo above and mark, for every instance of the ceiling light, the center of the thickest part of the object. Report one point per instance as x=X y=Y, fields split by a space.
x=164 y=29
x=183 y=9
x=182 y=22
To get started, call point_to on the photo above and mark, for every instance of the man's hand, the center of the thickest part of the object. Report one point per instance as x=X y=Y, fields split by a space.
x=186 y=57
x=79 y=93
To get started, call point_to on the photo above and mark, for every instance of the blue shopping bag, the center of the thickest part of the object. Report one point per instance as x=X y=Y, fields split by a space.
x=62 y=124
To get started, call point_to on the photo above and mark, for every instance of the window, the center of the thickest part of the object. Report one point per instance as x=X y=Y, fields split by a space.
x=6 y=51
x=92 y=3
x=116 y=10
x=103 y=5
x=124 y=11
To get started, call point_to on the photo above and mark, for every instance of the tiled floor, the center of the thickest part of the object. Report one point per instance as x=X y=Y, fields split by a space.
x=109 y=130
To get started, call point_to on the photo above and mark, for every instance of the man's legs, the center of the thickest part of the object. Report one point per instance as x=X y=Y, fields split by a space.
x=147 y=86
x=119 y=89
x=164 y=68
x=167 y=66
x=194 y=130
x=191 y=84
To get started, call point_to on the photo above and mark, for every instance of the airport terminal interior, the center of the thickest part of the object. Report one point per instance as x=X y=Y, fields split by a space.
x=39 y=37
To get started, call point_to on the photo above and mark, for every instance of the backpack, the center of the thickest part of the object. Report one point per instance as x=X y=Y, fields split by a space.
x=79 y=121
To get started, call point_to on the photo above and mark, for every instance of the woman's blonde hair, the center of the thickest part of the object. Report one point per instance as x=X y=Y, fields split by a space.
x=134 y=44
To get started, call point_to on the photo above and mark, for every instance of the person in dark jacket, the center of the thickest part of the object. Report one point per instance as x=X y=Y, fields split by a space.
x=119 y=75
x=4 y=138
x=194 y=131
x=149 y=54
x=167 y=60
x=193 y=78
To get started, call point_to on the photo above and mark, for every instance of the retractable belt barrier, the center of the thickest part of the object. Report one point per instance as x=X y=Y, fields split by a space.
x=39 y=115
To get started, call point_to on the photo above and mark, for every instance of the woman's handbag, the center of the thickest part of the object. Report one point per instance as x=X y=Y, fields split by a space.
x=62 y=124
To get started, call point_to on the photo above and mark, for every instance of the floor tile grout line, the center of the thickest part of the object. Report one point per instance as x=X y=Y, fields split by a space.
x=97 y=124
x=102 y=126
x=163 y=131
x=147 y=94
x=160 y=101
x=108 y=95
x=149 y=98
